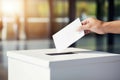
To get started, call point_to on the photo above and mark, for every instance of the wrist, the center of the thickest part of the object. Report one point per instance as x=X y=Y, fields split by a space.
x=106 y=26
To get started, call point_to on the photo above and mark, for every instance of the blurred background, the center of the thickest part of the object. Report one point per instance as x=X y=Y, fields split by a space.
x=29 y=24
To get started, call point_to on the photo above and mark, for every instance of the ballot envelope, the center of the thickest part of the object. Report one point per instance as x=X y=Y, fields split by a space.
x=70 y=64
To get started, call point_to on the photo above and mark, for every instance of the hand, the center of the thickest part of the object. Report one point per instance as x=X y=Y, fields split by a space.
x=92 y=25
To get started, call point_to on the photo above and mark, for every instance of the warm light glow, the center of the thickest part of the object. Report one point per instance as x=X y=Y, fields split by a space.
x=11 y=7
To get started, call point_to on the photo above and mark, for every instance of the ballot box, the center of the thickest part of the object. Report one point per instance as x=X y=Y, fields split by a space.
x=70 y=64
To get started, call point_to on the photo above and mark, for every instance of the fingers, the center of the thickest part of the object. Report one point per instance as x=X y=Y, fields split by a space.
x=87 y=31
x=83 y=27
x=84 y=22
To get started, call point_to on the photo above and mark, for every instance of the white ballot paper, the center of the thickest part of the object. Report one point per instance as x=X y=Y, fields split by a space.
x=68 y=35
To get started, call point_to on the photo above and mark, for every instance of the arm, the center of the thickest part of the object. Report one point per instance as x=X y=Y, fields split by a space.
x=112 y=27
x=100 y=27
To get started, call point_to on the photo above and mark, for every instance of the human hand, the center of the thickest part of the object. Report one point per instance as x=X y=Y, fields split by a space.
x=92 y=25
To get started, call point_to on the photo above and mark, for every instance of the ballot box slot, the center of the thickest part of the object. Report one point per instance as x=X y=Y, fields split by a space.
x=68 y=53
x=65 y=53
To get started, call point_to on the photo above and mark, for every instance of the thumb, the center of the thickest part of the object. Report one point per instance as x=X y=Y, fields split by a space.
x=80 y=28
x=83 y=27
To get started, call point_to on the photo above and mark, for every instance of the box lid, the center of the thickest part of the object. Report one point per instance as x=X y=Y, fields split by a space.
x=68 y=57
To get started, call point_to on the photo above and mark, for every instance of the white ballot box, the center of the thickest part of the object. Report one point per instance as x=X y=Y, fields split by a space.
x=71 y=64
